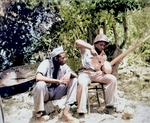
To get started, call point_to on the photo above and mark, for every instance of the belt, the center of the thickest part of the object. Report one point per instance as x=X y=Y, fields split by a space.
x=85 y=69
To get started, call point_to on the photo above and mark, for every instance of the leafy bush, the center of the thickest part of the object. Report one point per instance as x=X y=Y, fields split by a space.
x=28 y=27
x=21 y=32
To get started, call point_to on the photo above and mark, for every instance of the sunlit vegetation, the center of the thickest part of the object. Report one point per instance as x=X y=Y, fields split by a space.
x=30 y=27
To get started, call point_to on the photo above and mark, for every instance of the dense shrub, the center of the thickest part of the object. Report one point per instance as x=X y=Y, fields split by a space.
x=21 y=32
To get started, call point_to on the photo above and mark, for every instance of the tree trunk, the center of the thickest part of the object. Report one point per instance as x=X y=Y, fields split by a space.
x=125 y=31
x=90 y=37
x=104 y=28
x=118 y=49
x=116 y=65
x=115 y=35
x=116 y=53
x=97 y=31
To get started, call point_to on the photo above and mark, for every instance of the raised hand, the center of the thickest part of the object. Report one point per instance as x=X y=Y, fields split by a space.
x=93 y=52
x=66 y=78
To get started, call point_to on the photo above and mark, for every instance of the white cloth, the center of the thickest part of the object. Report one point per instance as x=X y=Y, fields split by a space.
x=56 y=51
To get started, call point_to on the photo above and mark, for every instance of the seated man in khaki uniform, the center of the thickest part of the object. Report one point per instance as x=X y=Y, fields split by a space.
x=54 y=80
x=92 y=71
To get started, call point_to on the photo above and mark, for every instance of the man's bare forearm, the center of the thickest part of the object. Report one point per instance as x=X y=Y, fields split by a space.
x=40 y=77
x=82 y=44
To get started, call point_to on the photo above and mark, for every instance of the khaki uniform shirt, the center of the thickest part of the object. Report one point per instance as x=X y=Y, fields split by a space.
x=46 y=68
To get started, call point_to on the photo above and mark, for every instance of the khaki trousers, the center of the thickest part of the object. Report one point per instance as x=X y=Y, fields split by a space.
x=41 y=94
x=85 y=78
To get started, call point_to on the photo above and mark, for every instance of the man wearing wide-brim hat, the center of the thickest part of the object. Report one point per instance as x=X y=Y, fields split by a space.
x=54 y=80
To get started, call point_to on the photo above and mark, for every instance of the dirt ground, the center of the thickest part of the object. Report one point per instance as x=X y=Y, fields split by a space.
x=133 y=86
x=20 y=109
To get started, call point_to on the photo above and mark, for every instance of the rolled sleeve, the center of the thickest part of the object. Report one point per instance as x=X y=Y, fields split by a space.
x=65 y=68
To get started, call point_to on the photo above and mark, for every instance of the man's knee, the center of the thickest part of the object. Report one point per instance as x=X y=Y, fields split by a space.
x=39 y=88
x=82 y=81
x=112 y=79
x=40 y=85
x=75 y=80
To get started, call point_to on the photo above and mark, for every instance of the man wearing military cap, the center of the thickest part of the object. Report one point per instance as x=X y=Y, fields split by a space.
x=54 y=80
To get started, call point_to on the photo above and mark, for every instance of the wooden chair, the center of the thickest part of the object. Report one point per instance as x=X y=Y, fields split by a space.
x=95 y=89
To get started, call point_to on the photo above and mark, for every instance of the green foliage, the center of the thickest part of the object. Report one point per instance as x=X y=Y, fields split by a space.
x=144 y=49
x=74 y=19
x=138 y=22
x=21 y=32
x=75 y=64
x=84 y=19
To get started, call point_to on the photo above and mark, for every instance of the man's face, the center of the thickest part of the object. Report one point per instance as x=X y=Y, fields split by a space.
x=62 y=59
x=100 y=46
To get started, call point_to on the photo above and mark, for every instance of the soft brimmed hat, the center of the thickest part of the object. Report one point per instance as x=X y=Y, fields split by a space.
x=101 y=37
x=56 y=51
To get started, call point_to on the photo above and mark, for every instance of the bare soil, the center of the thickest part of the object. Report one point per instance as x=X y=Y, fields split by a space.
x=133 y=86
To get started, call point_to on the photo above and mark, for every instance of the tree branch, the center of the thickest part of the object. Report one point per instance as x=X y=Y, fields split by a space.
x=115 y=35
x=125 y=31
